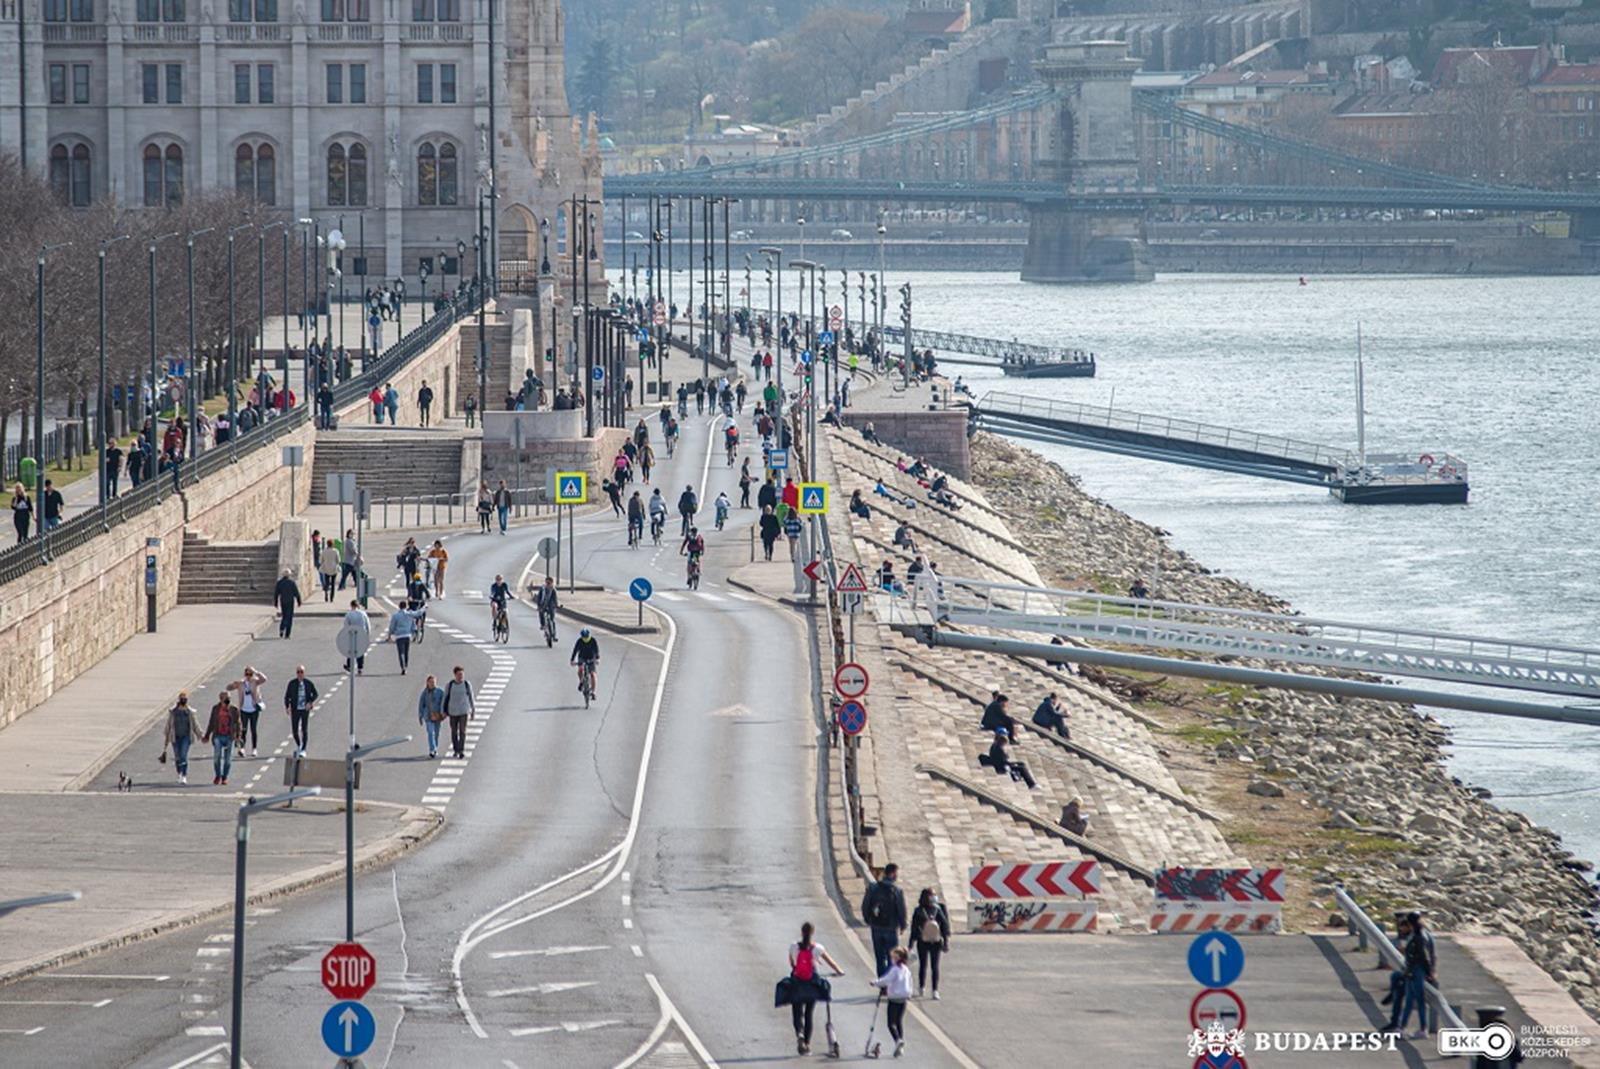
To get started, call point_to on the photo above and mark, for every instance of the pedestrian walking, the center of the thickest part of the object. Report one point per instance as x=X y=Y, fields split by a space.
x=770 y=530
x=298 y=699
x=424 y=401
x=430 y=712
x=182 y=727
x=357 y=618
x=884 y=909
x=391 y=401
x=375 y=399
x=53 y=505
x=440 y=557
x=930 y=931
x=349 y=561
x=21 y=512
x=803 y=988
x=502 y=504
x=895 y=983
x=614 y=493
x=249 y=688
x=459 y=707
x=113 y=466
x=745 y=480
x=470 y=407
x=1418 y=969
x=286 y=596
x=485 y=506
x=224 y=731
x=402 y=628
x=328 y=569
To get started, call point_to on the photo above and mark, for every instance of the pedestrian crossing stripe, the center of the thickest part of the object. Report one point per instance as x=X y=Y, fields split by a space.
x=813 y=498
x=571 y=487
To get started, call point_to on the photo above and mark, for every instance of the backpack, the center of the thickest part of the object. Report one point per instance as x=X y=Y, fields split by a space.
x=880 y=906
x=804 y=967
x=930 y=929
x=225 y=720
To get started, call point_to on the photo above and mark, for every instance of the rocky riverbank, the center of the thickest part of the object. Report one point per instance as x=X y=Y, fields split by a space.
x=1335 y=790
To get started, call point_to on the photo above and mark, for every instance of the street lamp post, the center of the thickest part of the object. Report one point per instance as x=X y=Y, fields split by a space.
x=38 y=401
x=101 y=408
x=154 y=442
x=775 y=312
x=480 y=253
x=352 y=756
x=233 y=364
x=242 y=839
x=193 y=376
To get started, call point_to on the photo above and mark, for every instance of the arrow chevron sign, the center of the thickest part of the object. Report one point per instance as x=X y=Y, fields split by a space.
x=1041 y=879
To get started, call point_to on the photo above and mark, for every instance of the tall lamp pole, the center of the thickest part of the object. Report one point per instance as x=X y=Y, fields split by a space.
x=38 y=400
x=194 y=375
x=154 y=442
x=233 y=338
x=774 y=253
x=101 y=408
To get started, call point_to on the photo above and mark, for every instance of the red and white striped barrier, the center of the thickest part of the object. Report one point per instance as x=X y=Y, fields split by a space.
x=1045 y=879
x=1179 y=918
x=1219 y=885
x=1003 y=916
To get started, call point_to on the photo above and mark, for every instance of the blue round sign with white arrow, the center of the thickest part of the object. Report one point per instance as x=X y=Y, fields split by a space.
x=640 y=589
x=1216 y=959
x=348 y=1028
x=599 y=373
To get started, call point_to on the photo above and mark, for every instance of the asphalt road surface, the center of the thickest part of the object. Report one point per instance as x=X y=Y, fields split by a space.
x=615 y=886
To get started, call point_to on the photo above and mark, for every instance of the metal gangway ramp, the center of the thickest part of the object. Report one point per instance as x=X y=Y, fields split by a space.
x=1157 y=437
x=1224 y=632
x=995 y=349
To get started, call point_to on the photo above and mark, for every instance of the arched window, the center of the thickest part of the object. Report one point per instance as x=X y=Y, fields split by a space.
x=80 y=176
x=60 y=172
x=358 y=176
x=561 y=228
x=438 y=174
x=347 y=175
x=163 y=176
x=427 y=175
x=338 y=177
x=254 y=173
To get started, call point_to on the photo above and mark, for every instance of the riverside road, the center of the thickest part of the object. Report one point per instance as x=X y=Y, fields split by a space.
x=610 y=881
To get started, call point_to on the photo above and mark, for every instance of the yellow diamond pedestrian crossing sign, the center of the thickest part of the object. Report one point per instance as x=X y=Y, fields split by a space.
x=813 y=498
x=572 y=487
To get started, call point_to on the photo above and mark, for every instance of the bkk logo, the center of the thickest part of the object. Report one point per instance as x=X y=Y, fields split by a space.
x=1217 y=1042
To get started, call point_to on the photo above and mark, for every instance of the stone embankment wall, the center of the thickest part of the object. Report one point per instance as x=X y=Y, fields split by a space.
x=1372 y=770
x=939 y=437
x=58 y=621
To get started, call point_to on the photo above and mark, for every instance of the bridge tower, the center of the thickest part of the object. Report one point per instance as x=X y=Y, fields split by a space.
x=1089 y=145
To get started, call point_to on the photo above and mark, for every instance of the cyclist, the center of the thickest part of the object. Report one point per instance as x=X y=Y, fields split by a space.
x=694 y=544
x=688 y=505
x=658 y=515
x=499 y=594
x=635 y=518
x=672 y=437
x=666 y=417
x=586 y=656
x=730 y=441
x=722 y=505
x=547 y=601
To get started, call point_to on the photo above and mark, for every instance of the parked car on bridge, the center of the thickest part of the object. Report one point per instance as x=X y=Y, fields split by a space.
x=840 y=234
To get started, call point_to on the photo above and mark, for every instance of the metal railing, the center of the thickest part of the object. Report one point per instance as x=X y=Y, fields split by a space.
x=404 y=350
x=1389 y=469
x=1366 y=930
x=1217 y=630
x=440 y=510
x=1169 y=427
x=974 y=345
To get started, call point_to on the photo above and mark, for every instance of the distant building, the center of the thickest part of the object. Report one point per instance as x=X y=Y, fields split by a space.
x=729 y=142
x=1566 y=101
x=938 y=20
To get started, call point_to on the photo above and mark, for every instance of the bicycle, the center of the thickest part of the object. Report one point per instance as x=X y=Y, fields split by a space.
x=733 y=451
x=547 y=625
x=502 y=624
x=694 y=571
x=422 y=624
x=635 y=529
x=586 y=681
x=657 y=524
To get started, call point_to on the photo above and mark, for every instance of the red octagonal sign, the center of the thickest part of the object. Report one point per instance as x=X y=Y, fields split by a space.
x=349 y=971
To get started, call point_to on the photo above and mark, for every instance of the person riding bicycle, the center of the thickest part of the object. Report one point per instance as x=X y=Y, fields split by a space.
x=666 y=417
x=635 y=518
x=545 y=598
x=688 y=505
x=586 y=653
x=694 y=544
x=499 y=594
x=722 y=505
x=730 y=440
x=658 y=514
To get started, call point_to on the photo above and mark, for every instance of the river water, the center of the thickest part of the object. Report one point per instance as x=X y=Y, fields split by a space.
x=1498 y=371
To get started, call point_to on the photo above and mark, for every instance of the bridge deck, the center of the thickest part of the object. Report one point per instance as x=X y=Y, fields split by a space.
x=1438 y=655
x=1166 y=437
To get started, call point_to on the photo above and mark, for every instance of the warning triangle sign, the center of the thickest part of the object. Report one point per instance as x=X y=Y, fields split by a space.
x=850 y=581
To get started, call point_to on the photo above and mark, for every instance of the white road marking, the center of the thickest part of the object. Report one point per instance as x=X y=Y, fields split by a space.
x=668 y=1010
x=35 y=1030
x=637 y=951
x=202 y=1056
x=627 y=922
x=205 y=1030
x=105 y=976
x=669 y=595
x=54 y=1002
x=565 y=1026
x=212 y=952
x=551 y=988
x=548 y=952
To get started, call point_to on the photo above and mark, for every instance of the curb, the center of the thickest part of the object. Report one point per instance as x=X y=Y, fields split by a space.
x=609 y=625
x=149 y=720
x=792 y=601
x=421 y=825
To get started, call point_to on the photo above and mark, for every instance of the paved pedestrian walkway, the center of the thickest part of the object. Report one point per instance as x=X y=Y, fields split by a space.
x=147 y=862
x=62 y=743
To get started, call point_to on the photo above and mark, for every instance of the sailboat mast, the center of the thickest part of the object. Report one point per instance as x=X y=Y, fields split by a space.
x=1361 y=400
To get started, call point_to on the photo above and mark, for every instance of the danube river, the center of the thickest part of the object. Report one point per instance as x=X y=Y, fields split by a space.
x=1501 y=372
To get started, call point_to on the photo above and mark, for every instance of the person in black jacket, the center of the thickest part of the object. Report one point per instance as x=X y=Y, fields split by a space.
x=884 y=909
x=997 y=718
x=286 y=596
x=930 y=933
x=298 y=698
x=770 y=530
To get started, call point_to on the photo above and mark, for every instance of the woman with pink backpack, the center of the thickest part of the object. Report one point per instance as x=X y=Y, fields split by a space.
x=803 y=988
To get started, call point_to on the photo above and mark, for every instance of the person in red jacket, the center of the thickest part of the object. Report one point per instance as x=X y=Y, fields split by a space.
x=791 y=495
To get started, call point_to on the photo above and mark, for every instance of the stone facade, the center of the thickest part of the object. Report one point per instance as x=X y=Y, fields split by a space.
x=938 y=437
x=373 y=113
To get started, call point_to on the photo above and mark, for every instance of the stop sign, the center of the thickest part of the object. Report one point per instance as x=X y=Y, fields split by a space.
x=348 y=971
